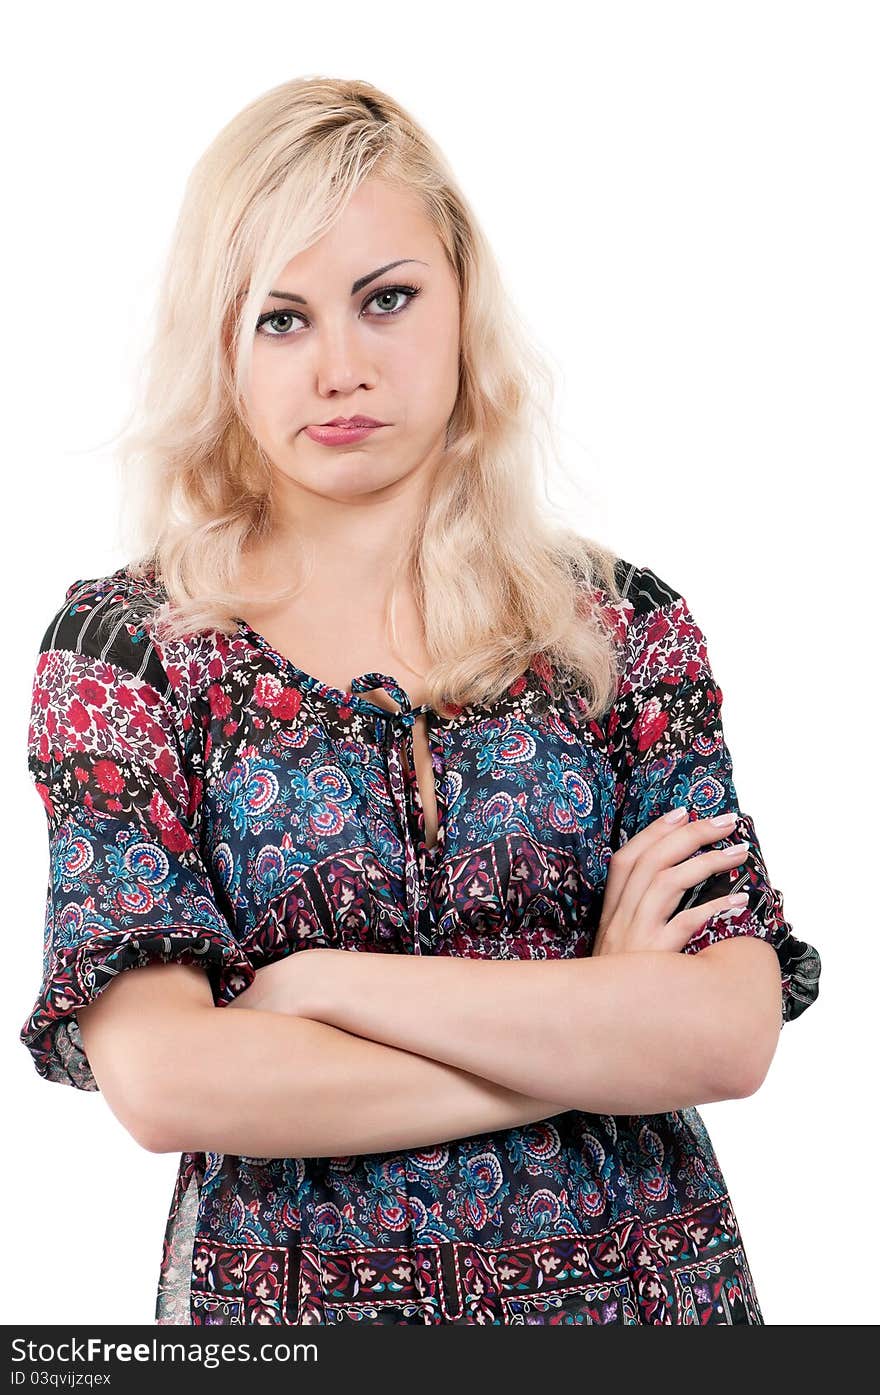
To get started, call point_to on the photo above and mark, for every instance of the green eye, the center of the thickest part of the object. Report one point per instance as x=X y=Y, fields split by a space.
x=288 y=318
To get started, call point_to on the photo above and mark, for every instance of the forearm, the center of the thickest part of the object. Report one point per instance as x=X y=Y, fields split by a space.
x=634 y=1033
x=289 y=1087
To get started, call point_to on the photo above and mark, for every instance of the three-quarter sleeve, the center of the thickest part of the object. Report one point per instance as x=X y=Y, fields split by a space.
x=668 y=748
x=127 y=884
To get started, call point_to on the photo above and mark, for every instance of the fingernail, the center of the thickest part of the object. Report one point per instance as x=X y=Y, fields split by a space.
x=676 y=815
x=736 y=850
x=724 y=818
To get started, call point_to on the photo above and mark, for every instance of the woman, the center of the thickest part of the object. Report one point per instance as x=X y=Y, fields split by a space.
x=415 y=1132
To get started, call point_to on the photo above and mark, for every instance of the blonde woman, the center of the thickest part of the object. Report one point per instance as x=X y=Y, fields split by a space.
x=426 y=792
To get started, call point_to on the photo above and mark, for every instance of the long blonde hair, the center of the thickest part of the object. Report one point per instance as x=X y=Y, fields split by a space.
x=498 y=579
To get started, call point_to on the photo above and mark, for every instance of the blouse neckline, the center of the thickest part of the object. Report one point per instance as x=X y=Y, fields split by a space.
x=351 y=699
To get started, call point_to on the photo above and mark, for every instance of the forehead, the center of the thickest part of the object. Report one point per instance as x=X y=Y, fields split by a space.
x=381 y=223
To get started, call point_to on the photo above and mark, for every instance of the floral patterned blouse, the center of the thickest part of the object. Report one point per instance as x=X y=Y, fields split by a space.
x=208 y=802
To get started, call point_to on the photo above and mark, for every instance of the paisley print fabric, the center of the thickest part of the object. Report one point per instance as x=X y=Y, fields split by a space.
x=209 y=802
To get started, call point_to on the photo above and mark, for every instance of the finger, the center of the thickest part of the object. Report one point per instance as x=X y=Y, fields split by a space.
x=669 y=837
x=678 y=931
x=672 y=863
x=664 y=893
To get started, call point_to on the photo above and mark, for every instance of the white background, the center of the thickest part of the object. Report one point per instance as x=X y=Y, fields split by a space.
x=684 y=201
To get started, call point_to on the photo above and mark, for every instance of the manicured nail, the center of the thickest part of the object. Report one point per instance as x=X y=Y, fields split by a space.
x=736 y=851
x=739 y=898
x=724 y=818
x=676 y=815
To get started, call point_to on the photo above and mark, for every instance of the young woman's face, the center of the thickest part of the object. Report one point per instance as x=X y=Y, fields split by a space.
x=323 y=350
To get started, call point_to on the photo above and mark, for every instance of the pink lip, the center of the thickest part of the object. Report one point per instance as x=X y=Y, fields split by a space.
x=339 y=435
x=358 y=420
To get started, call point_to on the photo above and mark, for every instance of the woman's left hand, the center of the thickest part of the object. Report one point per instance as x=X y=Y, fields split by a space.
x=290 y=984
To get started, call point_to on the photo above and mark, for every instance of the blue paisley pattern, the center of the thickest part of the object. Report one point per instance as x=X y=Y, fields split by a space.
x=209 y=802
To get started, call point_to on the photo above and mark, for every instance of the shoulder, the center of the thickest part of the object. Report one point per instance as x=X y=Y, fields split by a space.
x=104 y=619
x=661 y=641
x=642 y=589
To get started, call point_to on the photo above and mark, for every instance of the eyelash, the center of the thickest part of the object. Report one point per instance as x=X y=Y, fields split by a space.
x=409 y=291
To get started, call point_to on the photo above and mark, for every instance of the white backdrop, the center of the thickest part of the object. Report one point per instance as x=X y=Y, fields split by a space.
x=684 y=201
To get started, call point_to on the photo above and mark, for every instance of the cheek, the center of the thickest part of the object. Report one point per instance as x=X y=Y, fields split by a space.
x=427 y=371
x=274 y=394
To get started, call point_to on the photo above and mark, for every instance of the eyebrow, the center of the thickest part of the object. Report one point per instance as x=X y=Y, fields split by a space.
x=358 y=285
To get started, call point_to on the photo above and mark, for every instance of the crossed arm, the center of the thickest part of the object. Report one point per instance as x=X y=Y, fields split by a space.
x=333 y=1053
x=627 y=1033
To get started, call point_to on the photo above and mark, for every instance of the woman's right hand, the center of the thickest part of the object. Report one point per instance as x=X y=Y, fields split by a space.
x=648 y=876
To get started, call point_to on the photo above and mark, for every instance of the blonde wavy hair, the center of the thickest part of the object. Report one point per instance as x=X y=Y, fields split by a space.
x=499 y=580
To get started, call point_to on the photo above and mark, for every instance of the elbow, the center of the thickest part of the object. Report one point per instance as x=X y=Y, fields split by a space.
x=162 y=1119
x=748 y=1059
x=143 y=1046
x=142 y=1101
x=743 y=1018
x=152 y=1130
x=126 y=1096
x=760 y=1064
x=746 y=1081
x=152 y=1138
x=761 y=1041
x=146 y=1124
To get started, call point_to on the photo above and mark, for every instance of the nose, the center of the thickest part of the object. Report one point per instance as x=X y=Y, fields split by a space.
x=342 y=361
